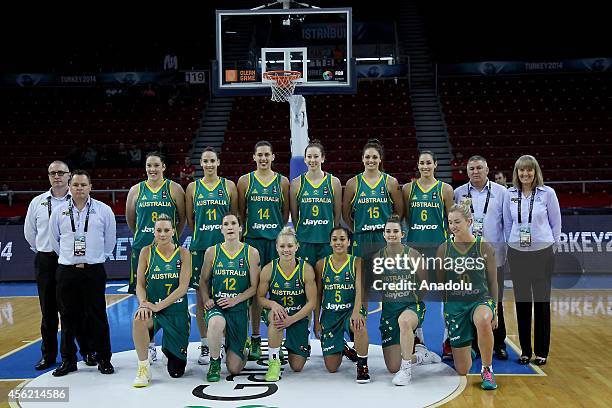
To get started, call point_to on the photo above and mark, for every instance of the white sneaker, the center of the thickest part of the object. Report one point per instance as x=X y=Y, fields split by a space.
x=222 y=355
x=402 y=377
x=152 y=353
x=425 y=356
x=204 y=358
x=143 y=376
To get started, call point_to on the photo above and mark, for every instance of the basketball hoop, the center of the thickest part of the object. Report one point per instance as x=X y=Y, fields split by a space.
x=283 y=84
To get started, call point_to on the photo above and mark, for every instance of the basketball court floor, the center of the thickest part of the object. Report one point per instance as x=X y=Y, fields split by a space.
x=578 y=372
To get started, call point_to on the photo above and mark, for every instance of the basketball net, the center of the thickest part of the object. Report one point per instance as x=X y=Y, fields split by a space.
x=282 y=83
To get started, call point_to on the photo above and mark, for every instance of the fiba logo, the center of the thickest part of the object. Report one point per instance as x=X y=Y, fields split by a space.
x=328 y=75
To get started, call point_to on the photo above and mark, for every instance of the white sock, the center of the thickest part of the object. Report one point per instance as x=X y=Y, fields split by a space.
x=273 y=353
x=445 y=333
x=144 y=363
x=489 y=367
x=222 y=341
x=204 y=341
x=255 y=336
x=406 y=364
x=420 y=335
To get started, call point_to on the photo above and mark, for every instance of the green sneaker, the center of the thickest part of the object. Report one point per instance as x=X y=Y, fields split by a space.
x=214 y=370
x=255 y=349
x=274 y=369
x=488 y=380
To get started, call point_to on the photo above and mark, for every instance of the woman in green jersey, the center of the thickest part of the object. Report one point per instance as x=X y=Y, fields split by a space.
x=316 y=205
x=145 y=202
x=148 y=199
x=468 y=264
x=339 y=307
x=369 y=199
x=229 y=278
x=427 y=201
x=292 y=290
x=206 y=200
x=263 y=202
x=402 y=307
x=164 y=270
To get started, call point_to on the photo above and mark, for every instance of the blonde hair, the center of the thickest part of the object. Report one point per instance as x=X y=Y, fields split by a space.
x=463 y=208
x=529 y=162
x=287 y=231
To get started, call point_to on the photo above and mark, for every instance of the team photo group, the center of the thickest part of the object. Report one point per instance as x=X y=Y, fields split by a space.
x=373 y=239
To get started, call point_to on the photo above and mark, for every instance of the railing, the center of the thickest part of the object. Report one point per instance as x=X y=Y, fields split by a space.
x=583 y=182
x=36 y=192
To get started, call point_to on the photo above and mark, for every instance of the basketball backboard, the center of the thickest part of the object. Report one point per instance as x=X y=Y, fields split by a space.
x=313 y=41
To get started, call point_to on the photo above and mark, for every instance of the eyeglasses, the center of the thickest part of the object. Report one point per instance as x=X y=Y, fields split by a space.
x=57 y=173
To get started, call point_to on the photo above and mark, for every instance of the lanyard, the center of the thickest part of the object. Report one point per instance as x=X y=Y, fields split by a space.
x=72 y=218
x=486 y=206
x=520 y=193
x=68 y=196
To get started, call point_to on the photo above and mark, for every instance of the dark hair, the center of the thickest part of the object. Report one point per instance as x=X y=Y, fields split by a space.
x=209 y=149
x=156 y=154
x=164 y=217
x=429 y=152
x=315 y=143
x=263 y=143
x=235 y=214
x=79 y=172
x=373 y=144
x=346 y=231
x=393 y=219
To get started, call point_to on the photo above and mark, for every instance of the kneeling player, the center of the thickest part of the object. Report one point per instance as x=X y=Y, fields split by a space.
x=163 y=276
x=232 y=268
x=293 y=294
x=402 y=310
x=339 y=289
x=470 y=306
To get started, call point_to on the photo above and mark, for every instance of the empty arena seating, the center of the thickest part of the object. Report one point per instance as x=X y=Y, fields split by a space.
x=564 y=120
x=343 y=123
x=38 y=125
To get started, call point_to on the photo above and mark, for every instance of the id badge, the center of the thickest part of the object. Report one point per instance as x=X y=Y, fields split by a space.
x=477 y=227
x=525 y=237
x=79 y=245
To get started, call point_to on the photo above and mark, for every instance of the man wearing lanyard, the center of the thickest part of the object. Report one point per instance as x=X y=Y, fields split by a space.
x=83 y=234
x=36 y=231
x=487 y=209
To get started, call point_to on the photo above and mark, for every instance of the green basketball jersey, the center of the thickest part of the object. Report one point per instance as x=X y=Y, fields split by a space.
x=288 y=290
x=149 y=204
x=426 y=223
x=468 y=267
x=264 y=208
x=338 y=285
x=209 y=206
x=230 y=274
x=316 y=210
x=162 y=278
x=395 y=300
x=371 y=205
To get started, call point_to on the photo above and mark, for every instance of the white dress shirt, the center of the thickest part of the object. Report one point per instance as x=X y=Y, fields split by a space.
x=493 y=225
x=100 y=237
x=36 y=226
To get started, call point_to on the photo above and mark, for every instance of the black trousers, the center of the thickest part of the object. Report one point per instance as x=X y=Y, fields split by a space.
x=531 y=277
x=499 y=334
x=45 y=267
x=82 y=306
